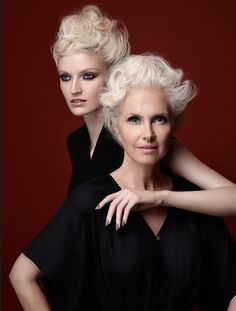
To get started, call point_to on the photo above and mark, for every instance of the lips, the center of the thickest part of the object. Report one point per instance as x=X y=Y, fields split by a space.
x=147 y=149
x=77 y=102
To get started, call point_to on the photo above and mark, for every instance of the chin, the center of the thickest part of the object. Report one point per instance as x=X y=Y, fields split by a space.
x=149 y=162
x=78 y=112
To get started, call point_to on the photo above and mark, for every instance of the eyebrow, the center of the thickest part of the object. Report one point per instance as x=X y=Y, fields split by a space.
x=132 y=114
x=81 y=71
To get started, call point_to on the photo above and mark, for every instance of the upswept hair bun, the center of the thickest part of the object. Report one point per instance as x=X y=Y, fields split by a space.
x=145 y=70
x=90 y=30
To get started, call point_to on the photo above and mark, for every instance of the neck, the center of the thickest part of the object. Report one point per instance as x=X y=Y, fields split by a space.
x=140 y=177
x=94 y=125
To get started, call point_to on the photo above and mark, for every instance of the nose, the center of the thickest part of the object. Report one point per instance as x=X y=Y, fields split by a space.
x=148 y=133
x=76 y=87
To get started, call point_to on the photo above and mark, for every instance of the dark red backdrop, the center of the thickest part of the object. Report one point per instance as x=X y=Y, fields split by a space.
x=198 y=36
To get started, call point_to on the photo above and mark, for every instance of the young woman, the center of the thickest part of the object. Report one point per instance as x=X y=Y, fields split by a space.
x=88 y=44
x=164 y=258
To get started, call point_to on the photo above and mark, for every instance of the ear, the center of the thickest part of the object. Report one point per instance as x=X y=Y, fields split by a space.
x=115 y=127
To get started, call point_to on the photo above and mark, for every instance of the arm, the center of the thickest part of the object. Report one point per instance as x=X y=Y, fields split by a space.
x=232 y=305
x=184 y=163
x=24 y=277
x=218 y=198
x=217 y=202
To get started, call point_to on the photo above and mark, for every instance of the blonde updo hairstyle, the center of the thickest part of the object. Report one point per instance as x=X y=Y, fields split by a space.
x=91 y=31
x=145 y=70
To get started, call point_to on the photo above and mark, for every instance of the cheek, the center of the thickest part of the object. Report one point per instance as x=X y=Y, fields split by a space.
x=64 y=90
x=128 y=137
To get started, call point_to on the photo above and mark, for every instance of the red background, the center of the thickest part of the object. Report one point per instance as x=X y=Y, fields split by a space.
x=198 y=36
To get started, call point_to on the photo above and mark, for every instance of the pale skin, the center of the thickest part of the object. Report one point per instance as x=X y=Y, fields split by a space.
x=138 y=126
x=142 y=122
x=82 y=75
x=219 y=199
x=25 y=278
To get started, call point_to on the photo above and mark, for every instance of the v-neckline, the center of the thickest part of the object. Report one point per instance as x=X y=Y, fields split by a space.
x=91 y=158
x=156 y=236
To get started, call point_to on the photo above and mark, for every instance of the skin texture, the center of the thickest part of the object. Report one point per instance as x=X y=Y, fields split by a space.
x=139 y=113
x=24 y=278
x=82 y=75
x=144 y=127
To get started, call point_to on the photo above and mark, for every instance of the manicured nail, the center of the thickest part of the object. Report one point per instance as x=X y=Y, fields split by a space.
x=107 y=222
x=123 y=222
x=98 y=206
x=117 y=226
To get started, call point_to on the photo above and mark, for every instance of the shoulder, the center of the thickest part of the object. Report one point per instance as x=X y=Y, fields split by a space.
x=88 y=194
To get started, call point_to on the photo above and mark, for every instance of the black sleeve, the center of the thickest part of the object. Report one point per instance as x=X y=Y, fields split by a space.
x=219 y=262
x=61 y=252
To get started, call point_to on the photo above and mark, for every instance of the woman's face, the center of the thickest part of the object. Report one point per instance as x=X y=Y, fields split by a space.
x=81 y=77
x=145 y=125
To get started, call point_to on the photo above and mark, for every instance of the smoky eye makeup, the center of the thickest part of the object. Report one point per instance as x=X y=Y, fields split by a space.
x=65 y=77
x=89 y=75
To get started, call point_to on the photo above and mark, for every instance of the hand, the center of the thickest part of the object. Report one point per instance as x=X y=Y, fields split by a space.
x=123 y=201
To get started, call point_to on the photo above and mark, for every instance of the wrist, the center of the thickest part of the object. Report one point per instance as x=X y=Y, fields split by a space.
x=164 y=195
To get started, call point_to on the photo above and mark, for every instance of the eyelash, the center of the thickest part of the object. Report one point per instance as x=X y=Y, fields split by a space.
x=89 y=76
x=65 y=77
x=133 y=119
x=158 y=119
x=86 y=76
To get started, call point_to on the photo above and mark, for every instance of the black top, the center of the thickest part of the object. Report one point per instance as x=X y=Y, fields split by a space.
x=88 y=266
x=107 y=156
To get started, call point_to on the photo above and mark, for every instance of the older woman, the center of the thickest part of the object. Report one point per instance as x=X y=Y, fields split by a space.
x=164 y=258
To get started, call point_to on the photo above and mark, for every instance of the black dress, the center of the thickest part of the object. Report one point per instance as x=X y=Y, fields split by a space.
x=107 y=156
x=88 y=266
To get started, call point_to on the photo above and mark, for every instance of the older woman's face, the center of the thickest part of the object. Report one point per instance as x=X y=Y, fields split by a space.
x=81 y=77
x=144 y=125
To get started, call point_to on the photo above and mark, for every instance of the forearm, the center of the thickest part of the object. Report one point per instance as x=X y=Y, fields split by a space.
x=24 y=277
x=31 y=296
x=217 y=202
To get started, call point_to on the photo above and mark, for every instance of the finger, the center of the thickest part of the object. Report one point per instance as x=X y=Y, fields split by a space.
x=127 y=210
x=112 y=209
x=107 y=199
x=120 y=210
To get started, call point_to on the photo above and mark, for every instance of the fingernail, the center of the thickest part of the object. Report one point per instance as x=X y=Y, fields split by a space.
x=123 y=222
x=107 y=222
x=117 y=226
x=97 y=207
